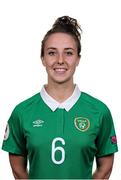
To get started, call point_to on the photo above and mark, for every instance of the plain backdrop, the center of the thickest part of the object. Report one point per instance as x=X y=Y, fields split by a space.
x=23 y=23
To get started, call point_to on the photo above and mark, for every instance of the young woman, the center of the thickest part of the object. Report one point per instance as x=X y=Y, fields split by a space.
x=61 y=129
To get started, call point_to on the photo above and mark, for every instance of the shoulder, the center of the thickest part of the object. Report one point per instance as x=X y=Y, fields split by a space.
x=94 y=102
x=27 y=103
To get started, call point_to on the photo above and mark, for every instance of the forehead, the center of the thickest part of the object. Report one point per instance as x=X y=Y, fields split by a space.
x=60 y=40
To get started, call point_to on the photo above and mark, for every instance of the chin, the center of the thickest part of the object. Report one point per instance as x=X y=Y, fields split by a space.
x=62 y=81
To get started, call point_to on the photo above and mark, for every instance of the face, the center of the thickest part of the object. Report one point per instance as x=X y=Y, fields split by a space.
x=60 y=57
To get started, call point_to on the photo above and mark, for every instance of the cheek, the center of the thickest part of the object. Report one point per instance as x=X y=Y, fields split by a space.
x=72 y=63
x=48 y=62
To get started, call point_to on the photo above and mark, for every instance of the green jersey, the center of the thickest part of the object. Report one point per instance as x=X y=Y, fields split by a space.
x=60 y=142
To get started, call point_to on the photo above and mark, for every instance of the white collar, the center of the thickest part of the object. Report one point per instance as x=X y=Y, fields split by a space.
x=67 y=104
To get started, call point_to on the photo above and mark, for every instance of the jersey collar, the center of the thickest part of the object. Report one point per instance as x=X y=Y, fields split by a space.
x=67 y=104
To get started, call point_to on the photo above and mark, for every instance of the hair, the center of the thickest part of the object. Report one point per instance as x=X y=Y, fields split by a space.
x=68 y=25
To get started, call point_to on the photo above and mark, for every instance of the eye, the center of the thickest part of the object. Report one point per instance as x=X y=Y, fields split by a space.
x=51 y=53
x=69 y=53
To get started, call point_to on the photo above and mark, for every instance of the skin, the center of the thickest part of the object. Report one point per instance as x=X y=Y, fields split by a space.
x=60 y=60
x=104 y=167
x=19 y=166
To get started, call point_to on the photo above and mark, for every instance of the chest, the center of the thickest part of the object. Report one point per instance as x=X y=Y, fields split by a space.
x=73 y=129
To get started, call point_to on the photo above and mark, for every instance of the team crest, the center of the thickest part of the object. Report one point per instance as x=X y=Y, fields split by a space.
x=82 y=124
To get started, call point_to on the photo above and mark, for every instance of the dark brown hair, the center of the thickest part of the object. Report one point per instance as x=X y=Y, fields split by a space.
x=67 y=25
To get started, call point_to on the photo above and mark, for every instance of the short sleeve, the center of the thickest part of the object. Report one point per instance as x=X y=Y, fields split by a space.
x=14 y=140
x=106 y=141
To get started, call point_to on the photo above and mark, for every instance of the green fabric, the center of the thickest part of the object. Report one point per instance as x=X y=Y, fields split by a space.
x=61 y=144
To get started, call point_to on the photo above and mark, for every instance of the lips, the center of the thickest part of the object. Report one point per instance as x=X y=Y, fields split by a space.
x=60 y=70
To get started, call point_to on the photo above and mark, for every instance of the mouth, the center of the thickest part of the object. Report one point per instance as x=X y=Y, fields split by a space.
x=60 y=70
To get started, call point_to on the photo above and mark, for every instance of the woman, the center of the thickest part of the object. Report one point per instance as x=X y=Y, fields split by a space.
x=61 y=129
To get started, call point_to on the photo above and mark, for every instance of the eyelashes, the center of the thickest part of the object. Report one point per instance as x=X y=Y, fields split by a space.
x=52 y=53
x=67 y=53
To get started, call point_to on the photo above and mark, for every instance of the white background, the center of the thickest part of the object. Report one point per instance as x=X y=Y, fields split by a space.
x=23 y=24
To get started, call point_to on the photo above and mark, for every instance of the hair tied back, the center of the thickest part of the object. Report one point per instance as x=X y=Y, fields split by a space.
x=71 y=24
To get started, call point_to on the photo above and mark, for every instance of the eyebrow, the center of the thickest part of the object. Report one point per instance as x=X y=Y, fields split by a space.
x=51 y=48
x=69 y=48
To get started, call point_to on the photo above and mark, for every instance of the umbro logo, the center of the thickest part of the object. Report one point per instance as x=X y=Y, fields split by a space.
x=38 y=123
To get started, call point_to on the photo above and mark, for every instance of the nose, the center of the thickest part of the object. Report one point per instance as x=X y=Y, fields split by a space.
x=60 y=59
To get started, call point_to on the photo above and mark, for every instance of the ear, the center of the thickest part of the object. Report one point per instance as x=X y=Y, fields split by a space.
x=78 y=60
x=43 y=61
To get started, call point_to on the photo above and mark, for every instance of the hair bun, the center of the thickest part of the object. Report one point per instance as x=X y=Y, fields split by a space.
x=65 y=20
x=69 y=23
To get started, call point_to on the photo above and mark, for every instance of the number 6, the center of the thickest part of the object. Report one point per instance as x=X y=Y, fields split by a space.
x=54 y=149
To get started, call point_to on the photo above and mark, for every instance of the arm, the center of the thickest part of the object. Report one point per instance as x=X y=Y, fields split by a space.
x=104 y=167
x=19 y=166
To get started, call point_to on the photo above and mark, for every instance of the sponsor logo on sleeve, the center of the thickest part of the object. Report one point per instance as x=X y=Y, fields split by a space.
x=7 y=131
x=113 y=140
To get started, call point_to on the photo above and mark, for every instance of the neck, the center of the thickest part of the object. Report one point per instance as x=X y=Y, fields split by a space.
x=60 y=92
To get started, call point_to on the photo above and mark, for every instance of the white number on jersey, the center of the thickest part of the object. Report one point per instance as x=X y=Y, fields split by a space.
x=58 y=148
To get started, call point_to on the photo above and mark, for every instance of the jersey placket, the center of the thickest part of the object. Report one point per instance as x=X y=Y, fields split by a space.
x=60 y=122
